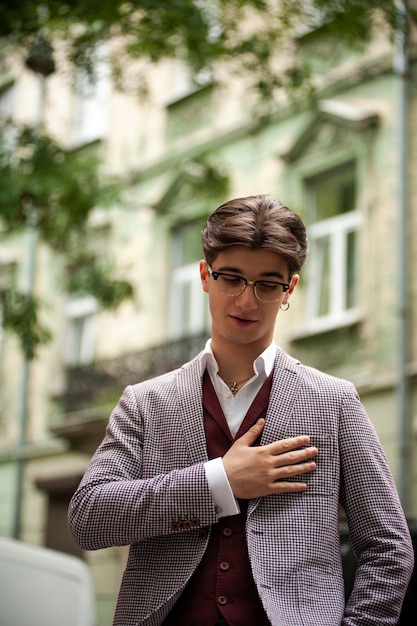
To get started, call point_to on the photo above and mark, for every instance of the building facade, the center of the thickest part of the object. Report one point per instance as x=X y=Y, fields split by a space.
x=344 y=161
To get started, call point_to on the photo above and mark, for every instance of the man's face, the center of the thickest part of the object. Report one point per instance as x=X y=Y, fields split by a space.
x=243 y=319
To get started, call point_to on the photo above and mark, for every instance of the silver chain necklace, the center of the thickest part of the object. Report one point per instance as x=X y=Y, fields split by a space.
x=233 y=386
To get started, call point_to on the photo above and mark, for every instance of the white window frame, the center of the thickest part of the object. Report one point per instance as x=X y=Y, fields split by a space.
x=79 y=343
x=183 y=83
x=7 y=109
x=7 y=101
x=91 y=103
x=336 y=230
x=195 y=307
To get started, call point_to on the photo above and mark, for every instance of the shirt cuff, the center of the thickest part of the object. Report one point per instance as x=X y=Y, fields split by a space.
x=221 y=491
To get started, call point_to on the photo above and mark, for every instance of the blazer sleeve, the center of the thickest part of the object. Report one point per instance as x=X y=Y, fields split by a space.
x=377 y=526
x=140 y=482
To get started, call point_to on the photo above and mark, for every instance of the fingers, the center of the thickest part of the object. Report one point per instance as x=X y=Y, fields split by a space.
x=255 y=471
x=283 y=446
x=288 y=471
x=251 y=435
x=285 y=466
x=286 y=487
x=294 y=457
x=277 y=447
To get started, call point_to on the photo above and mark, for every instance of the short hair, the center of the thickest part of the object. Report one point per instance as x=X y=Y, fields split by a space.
x=256 y=222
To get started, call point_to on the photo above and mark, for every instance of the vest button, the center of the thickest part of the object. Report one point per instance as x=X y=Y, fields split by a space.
x=227 y=532
x=224 y=566
x=203 y=533
x=222 y=600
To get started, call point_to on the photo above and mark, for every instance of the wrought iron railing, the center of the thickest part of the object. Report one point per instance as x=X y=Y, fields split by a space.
x=102 y=382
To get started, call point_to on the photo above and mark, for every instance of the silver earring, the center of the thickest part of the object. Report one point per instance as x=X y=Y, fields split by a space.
x=286 y=308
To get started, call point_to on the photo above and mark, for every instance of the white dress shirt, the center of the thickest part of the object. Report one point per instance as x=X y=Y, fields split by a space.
x=235 y=408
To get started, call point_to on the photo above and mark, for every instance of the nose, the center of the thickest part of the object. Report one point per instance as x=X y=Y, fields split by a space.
x=247 y=299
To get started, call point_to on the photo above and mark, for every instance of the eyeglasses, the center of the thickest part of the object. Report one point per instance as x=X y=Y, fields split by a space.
x=232 y=285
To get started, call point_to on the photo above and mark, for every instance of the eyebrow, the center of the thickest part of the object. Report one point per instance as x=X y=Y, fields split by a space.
x=236 y=270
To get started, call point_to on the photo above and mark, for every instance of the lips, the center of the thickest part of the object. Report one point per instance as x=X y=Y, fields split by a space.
x=242 y=321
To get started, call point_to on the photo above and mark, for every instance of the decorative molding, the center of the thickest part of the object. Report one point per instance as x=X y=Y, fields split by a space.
x=335 y=121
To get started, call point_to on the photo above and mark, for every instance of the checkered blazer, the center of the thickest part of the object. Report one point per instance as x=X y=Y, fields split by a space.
x=146 y=487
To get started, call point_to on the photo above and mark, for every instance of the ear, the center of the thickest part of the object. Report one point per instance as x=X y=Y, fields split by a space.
x=293 y=283
x=204 y=275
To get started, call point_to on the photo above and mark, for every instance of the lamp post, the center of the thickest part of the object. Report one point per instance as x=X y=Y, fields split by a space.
x=41 y=61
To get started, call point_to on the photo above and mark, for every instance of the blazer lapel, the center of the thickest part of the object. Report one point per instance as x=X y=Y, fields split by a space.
x=286 y=383
x=190 y=407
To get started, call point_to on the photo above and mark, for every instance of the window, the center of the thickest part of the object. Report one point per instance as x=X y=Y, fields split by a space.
x=188 y=307
x=81 y=330
x=189 y=102
x=7 y=98
x=332 y=272
x=191 y=114
x=91 y=102
x=7 y=105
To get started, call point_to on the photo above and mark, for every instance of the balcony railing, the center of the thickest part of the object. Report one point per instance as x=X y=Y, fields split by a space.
x=102 y=382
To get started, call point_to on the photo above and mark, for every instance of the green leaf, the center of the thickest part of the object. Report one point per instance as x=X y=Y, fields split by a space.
x=20 y=314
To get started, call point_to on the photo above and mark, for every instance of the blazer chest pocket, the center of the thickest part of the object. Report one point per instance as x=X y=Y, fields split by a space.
x=323 y=480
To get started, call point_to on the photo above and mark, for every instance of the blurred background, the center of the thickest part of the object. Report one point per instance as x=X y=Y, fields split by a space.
x=123 y=125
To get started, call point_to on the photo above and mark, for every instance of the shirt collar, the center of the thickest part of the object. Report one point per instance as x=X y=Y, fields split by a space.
x=263 y=364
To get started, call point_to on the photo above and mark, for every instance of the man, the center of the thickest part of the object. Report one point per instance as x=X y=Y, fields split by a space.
x=225 y=476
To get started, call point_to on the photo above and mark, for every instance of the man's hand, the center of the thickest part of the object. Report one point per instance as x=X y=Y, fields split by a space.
x=253 y=471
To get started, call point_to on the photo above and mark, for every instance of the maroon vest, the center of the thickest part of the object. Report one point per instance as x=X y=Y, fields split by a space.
x=222 y=587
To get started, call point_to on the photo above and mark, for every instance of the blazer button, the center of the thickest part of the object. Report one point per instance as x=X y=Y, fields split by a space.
x=224 y=566
x=222 y=600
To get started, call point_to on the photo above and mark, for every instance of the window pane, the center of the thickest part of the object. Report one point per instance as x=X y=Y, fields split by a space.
x=333 y=234
x=190 y=114
x=91 y=102
x=186 y=244
x=323 y=250
x=351 y=271
x=7 y=98
x=333 y=194
x=188 y=308
x=185 y=305
x=81 y=326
